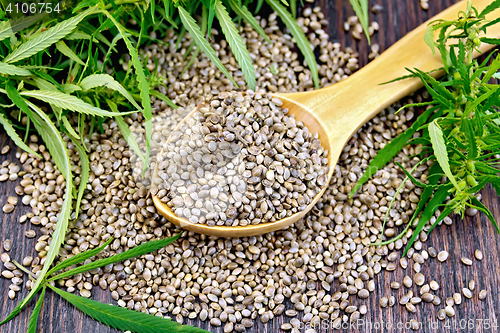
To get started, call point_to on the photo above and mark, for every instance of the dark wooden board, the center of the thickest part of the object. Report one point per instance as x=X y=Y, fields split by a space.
x=461 y=239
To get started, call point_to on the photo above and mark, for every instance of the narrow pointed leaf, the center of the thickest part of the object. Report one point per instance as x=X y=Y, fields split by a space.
x=124 y=319
x=57 y=149
x=47 y=37
x=36 y=313
x=490 y=8
x=20 y=306
x=164 y=98
x=479 y=205
x=136 y=251
x=64 y=49
x=471 y=139
x=300 y=38
x=106 y=80
x=141 y=77
x=429 y=39
x=69 y=128
x=78 y=258
x=11 y=132
x=84 y=175
x=245 y=14
x=69 y=102
x=202 y=43
x=6 y=69
x=10 y=27
x=434 y=177
x=446 y=211
x=391 y=149
x=129 y=137
x=440 y=150
x=236 y=43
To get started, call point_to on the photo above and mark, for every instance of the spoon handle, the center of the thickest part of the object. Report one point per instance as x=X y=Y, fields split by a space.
x=345 y=106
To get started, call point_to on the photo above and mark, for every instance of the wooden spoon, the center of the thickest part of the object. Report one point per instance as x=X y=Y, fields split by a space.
x=338 y=111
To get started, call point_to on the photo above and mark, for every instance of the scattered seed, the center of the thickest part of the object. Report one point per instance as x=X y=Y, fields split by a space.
x=450 y=301
x=482 y=294
x=466 y=261
x=478 y=254
x=442 y=256
x=392 y=301
x=407 y=282
x=419 y=279
x=434 y=285
x=450 y=312
x=395 y=285
x=441 y=314
x=467 y=293
x=472 y=285
x=384 y=301
x=427 y=297
x=7 y=245
x=457 y=298
x=415 y=325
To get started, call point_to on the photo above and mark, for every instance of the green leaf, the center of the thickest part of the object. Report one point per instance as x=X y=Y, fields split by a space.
x=69 y=128
x=446 y=211
x=434 y=176
x=492 y=41
x=99 y=80
x=245 y=14
x=124 y=319
x=64 y=49
x=471 y=139
x=77 y=34
x=437 y=86
x=201 y=42
x=472 y=106
x=130 y=138
x=84 y=175
x=11 y=132
x=69 y=102
x=479 y=205
x=71 y=88
x=6 y=69
x=11 y=27
x=429 y=39
x=141 y=77
x=361 y=9
x=236 y=43
x=391 y=149
x=14 y=96
x=20 y=306
x=439 y=147
x=300 y=38
x=495 y=65
x=78 y=258
x=36 y=312
x=136 y=251
x=57 y=149
x=164 y=98
x=47 y=38
x=491 y=7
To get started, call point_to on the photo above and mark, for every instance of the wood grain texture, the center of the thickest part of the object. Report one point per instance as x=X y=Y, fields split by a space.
x=460 y=239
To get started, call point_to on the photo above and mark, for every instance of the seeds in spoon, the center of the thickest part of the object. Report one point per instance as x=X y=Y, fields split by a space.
x=241 y=160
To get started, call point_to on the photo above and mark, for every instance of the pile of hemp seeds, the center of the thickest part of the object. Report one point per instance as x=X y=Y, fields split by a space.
x=321 y=268
x=240 y=160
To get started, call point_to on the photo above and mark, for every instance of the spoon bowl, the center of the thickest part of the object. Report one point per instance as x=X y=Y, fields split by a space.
x=338 y=111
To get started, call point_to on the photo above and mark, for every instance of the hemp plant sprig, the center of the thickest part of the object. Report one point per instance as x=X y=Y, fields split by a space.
x=112 y=316
x=461 y=126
